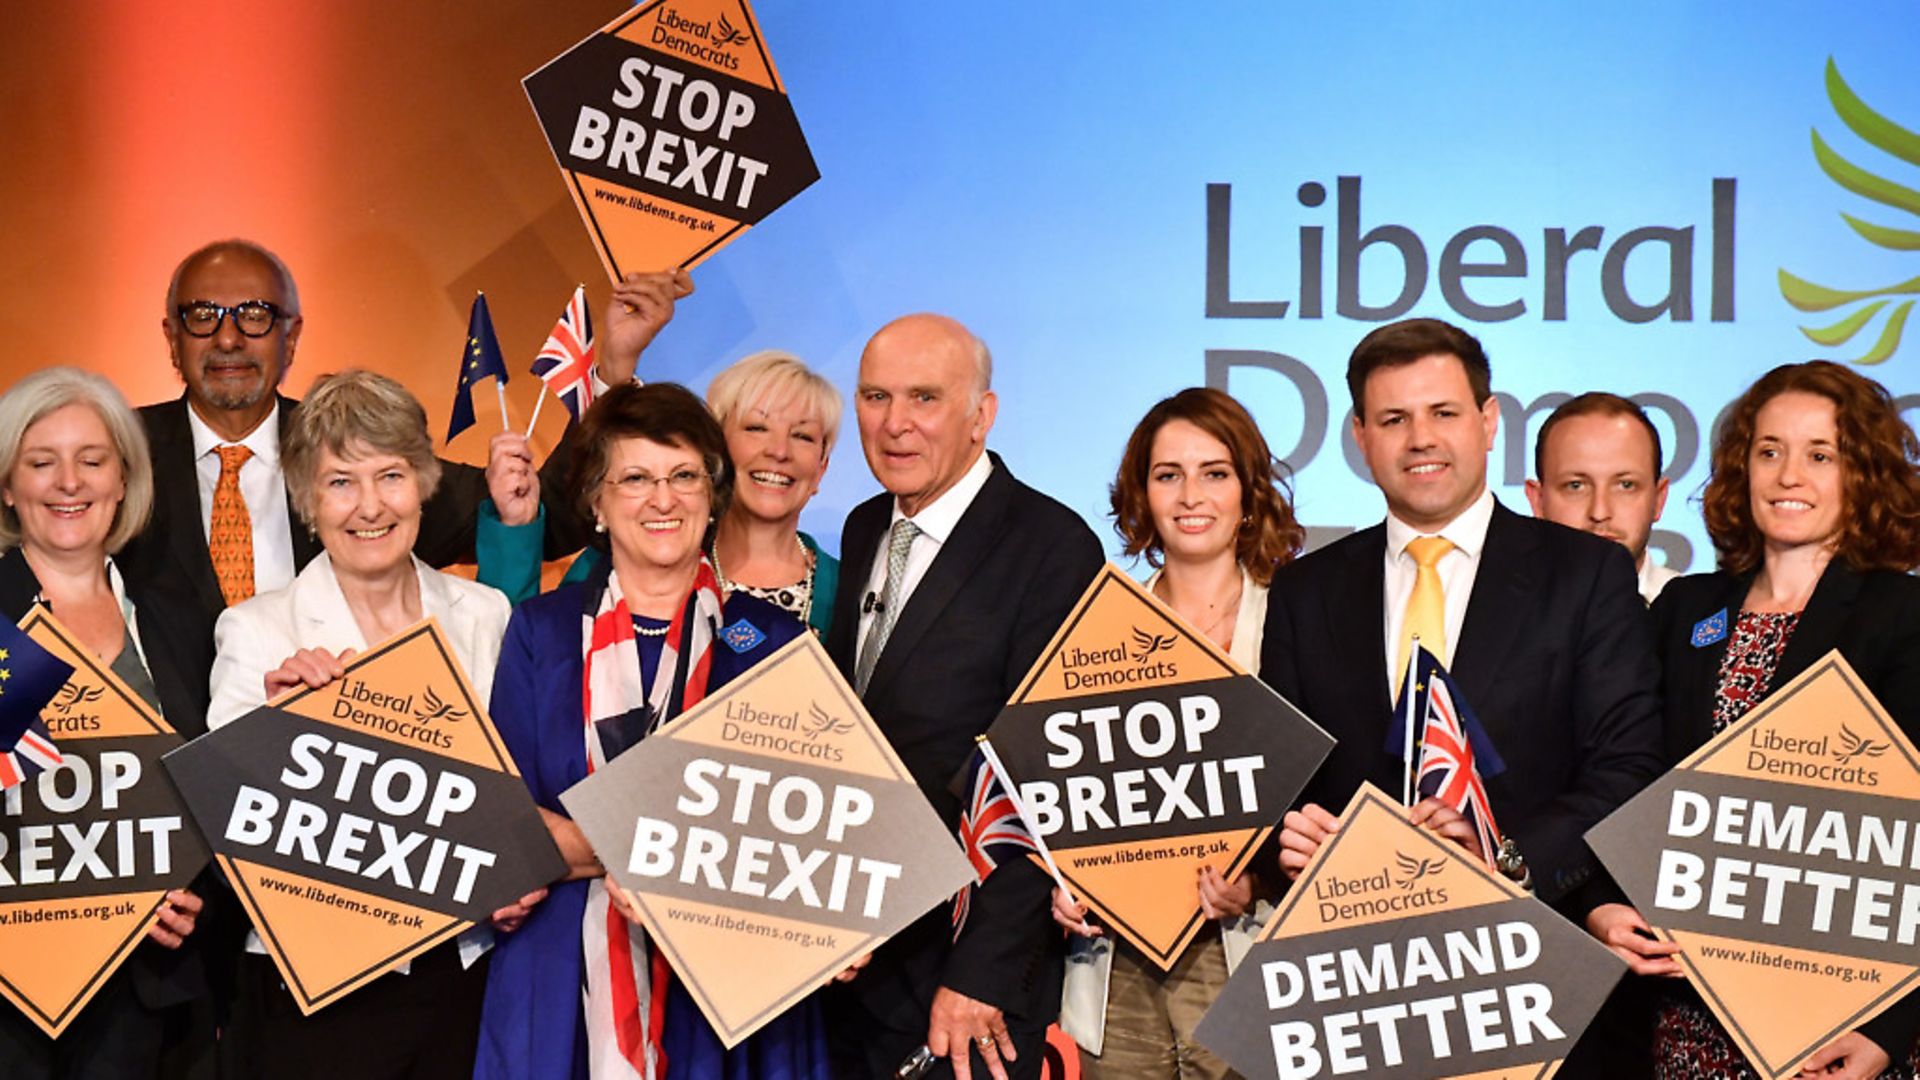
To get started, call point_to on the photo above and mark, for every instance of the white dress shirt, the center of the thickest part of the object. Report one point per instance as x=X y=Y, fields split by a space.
x=262 y=487
x=1653 y=578
x=1468 y=534
x=936 y=520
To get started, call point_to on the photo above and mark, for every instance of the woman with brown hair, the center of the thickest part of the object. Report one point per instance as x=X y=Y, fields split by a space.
x=1814 y=508
x=1201 y=496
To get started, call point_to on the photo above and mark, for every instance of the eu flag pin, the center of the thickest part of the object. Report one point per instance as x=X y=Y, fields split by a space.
x=1711 y=629
x=742 y=636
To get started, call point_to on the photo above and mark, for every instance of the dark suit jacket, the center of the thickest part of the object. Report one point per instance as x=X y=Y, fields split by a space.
x=1001 y=585
x=1873 y=618
x=1555 y=657
x=177 y=639
x=174 y=543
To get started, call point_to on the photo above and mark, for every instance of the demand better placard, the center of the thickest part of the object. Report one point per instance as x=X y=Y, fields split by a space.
x=771 y=836
x=1142 y=752
x=88 y=850
x=673 y=132
x=365 y=822
x=1398 y=955
x=1784 y=857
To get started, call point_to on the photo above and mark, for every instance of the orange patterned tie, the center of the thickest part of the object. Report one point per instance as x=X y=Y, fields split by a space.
x=230 y=540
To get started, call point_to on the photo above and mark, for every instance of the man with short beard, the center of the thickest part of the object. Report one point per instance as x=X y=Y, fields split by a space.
x=232 y=321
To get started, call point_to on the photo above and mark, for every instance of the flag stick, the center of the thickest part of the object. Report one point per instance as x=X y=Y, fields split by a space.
x=500 y=388
x=1406 y=700
x=1007 y=785
x=537 y=402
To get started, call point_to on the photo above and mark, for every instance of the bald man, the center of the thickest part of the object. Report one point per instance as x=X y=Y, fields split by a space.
x=951 y=584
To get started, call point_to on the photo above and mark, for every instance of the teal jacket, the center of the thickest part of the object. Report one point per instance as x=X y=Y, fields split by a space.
x=509 y=558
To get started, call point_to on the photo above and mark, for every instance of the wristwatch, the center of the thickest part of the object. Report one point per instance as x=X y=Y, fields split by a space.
x=1512 y=864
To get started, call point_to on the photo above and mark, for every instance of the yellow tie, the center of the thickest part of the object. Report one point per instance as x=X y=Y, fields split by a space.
x=1426 y=605
x=230 y=539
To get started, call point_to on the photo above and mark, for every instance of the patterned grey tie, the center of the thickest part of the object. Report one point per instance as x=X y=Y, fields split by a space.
x=899 y=543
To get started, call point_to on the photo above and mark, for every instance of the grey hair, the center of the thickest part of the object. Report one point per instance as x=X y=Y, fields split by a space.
x=288 y=290
x=348 y=414
x=50 y=389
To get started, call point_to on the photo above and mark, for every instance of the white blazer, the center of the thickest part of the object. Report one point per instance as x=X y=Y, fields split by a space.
x=257 y=635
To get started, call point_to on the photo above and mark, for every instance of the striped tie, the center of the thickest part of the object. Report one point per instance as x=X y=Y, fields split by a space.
x=230 y=537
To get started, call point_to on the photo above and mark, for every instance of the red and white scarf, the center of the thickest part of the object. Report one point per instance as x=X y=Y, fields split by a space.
x=626 y=991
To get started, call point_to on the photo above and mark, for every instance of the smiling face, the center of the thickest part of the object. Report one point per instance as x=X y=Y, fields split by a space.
x=923 y=416
x=1597 y=475
x=366 y=510
x=1796 y=478
x=649 y=522
x=1193 y=493
x=68 y=482
x=230 y=377
x=778 y=449
x=1425 y=439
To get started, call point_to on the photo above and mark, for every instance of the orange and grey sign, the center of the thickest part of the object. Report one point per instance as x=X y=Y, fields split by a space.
x=1398 y=955
x=1141 y=752
x=88 y=849
x=1784 y=857
x=369 y=820
x=673 y=131
x=770 y=837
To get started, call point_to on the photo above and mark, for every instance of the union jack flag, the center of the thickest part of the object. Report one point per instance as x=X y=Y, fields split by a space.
x=1455 y=751
x=991 y=830
x=30 y=676
x=33 y=754
x=565 y=362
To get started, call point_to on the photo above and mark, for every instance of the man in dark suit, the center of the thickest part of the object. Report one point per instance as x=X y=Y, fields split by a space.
x=950 y=586
x=1541 y=626
x=232 y=322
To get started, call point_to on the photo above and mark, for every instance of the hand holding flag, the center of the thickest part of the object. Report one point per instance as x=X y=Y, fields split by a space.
x=1454 y=750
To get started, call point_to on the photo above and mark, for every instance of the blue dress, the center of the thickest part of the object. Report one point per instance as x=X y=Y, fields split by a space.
x=532 y=1027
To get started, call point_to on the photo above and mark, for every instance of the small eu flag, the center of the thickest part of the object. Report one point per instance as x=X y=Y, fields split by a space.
x=479 y=358
x=30 y=676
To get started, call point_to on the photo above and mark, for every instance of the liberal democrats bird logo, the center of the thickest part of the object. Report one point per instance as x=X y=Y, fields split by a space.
x=724 y=33
x=819 y=723
x=72 y=695
x=1853 y=746
x=432 y=709
x=1413 y=869
x=1147 y=644
x=1868 y=306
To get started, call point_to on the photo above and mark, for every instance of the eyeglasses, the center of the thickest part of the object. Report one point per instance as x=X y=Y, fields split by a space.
x=638 y=485
x=254 y=318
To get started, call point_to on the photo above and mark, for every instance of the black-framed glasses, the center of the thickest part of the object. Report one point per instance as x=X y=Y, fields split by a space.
x=638 y=485
x=254 y=318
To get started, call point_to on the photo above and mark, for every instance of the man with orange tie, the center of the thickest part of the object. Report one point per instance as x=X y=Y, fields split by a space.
x=222 y=526
x=1541 y=626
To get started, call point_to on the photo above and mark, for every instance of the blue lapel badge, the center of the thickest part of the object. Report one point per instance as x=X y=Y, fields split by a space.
x=1711 y=629
x=742 y=636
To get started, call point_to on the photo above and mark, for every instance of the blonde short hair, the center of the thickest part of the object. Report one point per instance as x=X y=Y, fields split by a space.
x=350 y=414
x=770 y=375
x=54 y=388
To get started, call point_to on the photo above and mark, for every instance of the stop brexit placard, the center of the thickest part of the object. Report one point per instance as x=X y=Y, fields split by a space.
x=89 y=848
x=1141 y=752
x=1784 y=857
x=673 y=131
x=770 y=836
x=366 y=821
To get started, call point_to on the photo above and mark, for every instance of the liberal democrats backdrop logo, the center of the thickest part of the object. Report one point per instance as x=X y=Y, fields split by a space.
x=1871 y=307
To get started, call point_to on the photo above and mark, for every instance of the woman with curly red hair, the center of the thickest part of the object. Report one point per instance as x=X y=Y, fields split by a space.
x=1203 y=499
x=1814 y=508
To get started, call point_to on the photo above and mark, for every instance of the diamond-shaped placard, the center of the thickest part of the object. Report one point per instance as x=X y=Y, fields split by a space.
x=1783 y=857
x=1142 y=752
x=771 y=836
x=88 y=850
x=673 y=132
x=369 y=820
x=1397 y=955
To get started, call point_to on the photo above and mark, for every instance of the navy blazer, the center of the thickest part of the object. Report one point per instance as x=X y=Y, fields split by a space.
x=1872 y=617
x=531 y=1025
x=1555 y=657
x=990 y=601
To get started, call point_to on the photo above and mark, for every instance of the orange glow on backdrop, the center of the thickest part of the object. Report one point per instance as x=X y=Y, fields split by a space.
x=385 y=151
